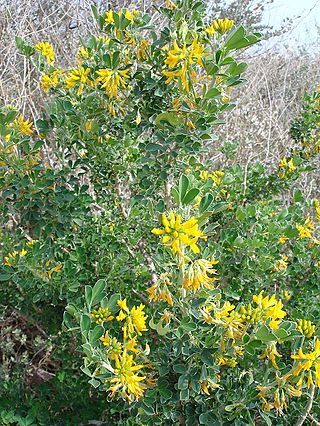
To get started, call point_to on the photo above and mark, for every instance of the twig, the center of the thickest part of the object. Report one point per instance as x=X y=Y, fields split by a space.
x=149 y=262
x=314 y=420
x=308 y=407
x=141 y=297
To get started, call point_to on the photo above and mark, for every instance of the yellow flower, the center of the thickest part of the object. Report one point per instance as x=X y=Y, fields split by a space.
x=112 y=80
x=23 y=252
x=197 y=275
x=137 y=320
x=316 y=205
x=31 y=243
x=170 y=5
x=183 y=57
x=128 y=15
x=79 y=77
x=281 y=264
x=126 y=382
x=46 y=50
x=305 y=362
x=177 y=234
x=306 y=327
x=283 y=239
x=271 y=353
x=123 y=304
x=306 y=230
x=160 y=290
x=142 y=51
x=287 y=295
x=50 y=80
x=10 y=258
x=101 y=315
x=271 y=309
x=222 y=25
x=228 y=362
x=25 y=126
x=109 y=17
x=207 y=385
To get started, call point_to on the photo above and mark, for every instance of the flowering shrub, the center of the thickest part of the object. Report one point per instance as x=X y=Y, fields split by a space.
x=184 y=285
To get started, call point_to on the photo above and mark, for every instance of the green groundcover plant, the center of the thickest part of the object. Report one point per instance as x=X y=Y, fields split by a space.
x=140 y=285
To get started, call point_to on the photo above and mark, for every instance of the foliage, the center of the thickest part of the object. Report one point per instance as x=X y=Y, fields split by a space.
x=126 y=209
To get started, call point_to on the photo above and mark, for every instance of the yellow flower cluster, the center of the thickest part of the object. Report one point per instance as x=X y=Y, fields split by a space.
x=50 y=80
x=109 y=16
x=182 y=58
x=283 y=239
x=126 y=379
x=25 y=126
x=112 y=80
x=177 y=234
x=308 y=362
x=220 y=26
x=46 y=50
x=286 y=167
x=101 y=315
x=270 y=309
x=160 y=290
x=306 y=230
x=11 y=259
x=306 y=327
x=281 y=264
x=271 y=353
x=316 y=205
x=135 y=319
x=216 y=176
x=78 y=77
x=199 y=274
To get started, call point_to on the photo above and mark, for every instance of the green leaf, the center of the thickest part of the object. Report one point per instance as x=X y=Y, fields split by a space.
x=112 y=303
x=179 y=368
x=190 y=196
x=265 y=335
x=85 y=323
x=183 y=186
x=88 y=295
x=205 y=203
x=95 y=334
x=98 y=291
x=183 y=382
x=211 y=93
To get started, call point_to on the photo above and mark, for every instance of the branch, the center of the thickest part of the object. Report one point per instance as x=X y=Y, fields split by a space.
x=307 y=410
x=149 y=262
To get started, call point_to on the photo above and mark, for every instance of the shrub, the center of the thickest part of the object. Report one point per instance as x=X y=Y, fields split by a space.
x=183 y=286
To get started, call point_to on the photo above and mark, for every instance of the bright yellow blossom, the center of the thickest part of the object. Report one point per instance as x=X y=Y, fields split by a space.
x=270 y=308
x=316 y=205
x=109 y=17
x=199 y=274
x=271 y=353
x=112 y=80
x=135 y=319
x=308 y=362
x=160 y=290
x=177 y=234
x=306 y=327
x=25 y=126
x=50 y=80
x=46 y=50
x=8 y=260
x=170 y=5
x=306 y=230
x=126 y=381
x=220 y=25
x=79 y=77
x=283 y=239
